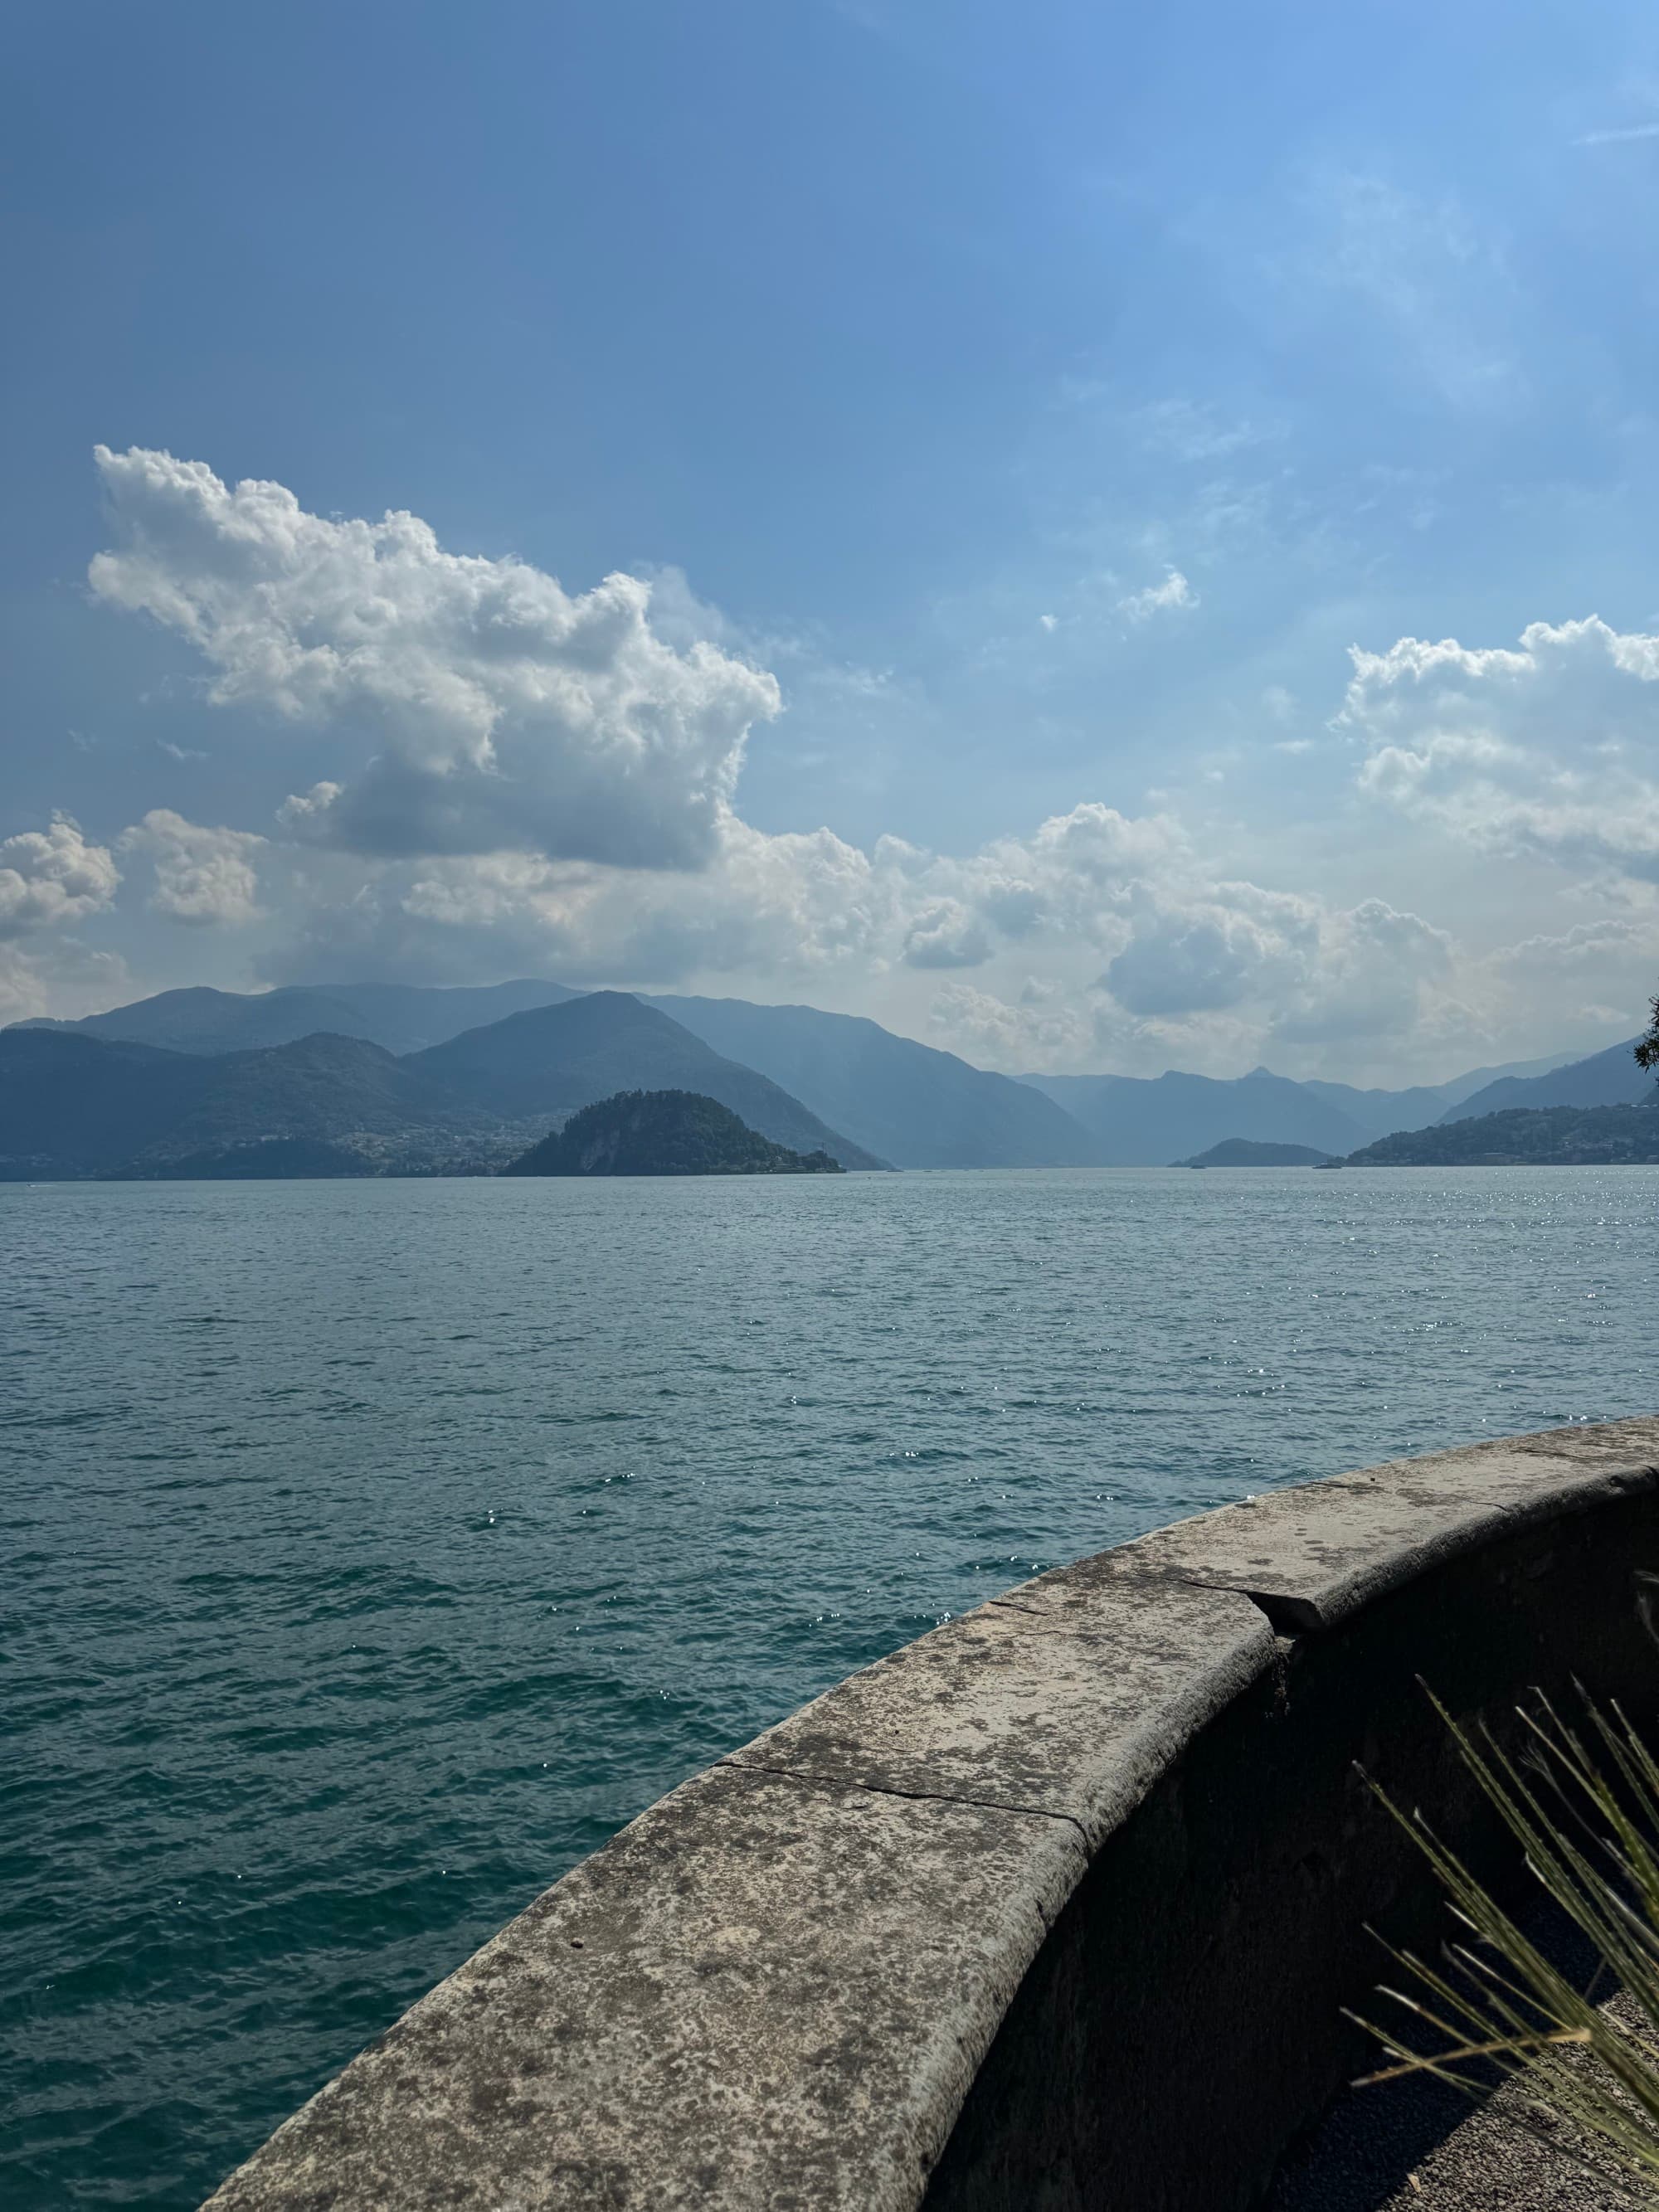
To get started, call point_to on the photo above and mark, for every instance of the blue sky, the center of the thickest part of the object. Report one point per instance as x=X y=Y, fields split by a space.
x=1009 y=418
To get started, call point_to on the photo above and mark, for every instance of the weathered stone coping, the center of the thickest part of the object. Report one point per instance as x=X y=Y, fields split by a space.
x=1088 y=1802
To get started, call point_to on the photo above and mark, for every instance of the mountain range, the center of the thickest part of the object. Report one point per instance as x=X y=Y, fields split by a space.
x=1139 y=1118
x=1606 y=1078
x=76 y=1105
x=553 y=1059
x=76 y=1102
x=892 y=1100
x=399 y=1017
x=447 y=1072
x=1169 y=1117
x=913 y=1104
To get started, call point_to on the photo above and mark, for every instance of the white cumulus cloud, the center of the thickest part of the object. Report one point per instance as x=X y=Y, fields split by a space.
x=1549 y=748
x=1172 y=596
x=946 y=935
x=203 y=876
x=51 y=878
x=508 y=714
x=1183 y=961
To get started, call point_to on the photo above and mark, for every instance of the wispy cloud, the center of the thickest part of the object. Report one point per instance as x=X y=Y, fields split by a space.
x=1425 y=271
x=1196 y=432
x=1174 y=594
x=1625 y=135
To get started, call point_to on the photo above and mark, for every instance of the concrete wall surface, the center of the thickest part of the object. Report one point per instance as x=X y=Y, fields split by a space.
x=1053 y=1909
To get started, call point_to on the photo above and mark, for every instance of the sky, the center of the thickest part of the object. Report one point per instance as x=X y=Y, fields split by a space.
x=1104 y=538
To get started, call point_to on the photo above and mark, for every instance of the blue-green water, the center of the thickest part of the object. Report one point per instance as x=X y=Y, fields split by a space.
x=374 y=1550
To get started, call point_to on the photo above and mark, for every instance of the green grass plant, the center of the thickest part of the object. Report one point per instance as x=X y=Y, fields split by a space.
x=1584 y=1808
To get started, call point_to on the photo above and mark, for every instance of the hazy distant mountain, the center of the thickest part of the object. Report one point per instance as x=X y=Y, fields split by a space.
x=663 y=1132
x=891 y=1098
x=1606 y=1078
x=558 y=1058
x=203 y=1020
x=1378 y=1112
x=1476 y=1079
x=1375 y=1113
x=401 y=1017
x=408 y=1018
x=75 y=1105
x=1552 y=1136
x=1129 y=1114
x=326 y=1086
x=898 y=1100
x=1146 y=1121
x=904 y=1101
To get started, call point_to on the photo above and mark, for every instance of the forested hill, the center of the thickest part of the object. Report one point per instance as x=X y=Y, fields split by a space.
x=1555 y=1136
x=554 y=1059
x=663 y=1132
x=74 y=1105
x=1612 y=1078
x=1243 y=1152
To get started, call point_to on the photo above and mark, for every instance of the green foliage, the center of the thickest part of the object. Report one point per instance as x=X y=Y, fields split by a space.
x=1647 y=1047
x=655 y=1132
x=1587 y=1817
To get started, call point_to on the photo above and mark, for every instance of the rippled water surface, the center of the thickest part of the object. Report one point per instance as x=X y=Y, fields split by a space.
x=374 y=1550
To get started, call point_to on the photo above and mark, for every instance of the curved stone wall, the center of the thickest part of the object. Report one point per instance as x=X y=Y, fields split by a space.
x=1055 y=1908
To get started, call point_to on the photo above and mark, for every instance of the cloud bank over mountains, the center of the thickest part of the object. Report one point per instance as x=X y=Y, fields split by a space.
x=527 y=779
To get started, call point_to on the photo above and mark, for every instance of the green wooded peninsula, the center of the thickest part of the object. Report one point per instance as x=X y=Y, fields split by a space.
x=1557 y=1136
x=663 y=1132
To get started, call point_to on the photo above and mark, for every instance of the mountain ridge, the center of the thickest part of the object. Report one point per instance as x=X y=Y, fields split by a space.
x=400 y=1016
x=76 y=1106
x=1142 y=1121
x=560 y=1058
x=1611 y=1077
x=889 y=1098
x=910 y=1103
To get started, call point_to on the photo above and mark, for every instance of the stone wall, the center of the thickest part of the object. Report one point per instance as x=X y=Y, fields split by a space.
x=1055 y=1908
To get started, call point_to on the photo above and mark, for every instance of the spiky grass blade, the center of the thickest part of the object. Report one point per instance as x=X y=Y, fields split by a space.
x=1585 y=1815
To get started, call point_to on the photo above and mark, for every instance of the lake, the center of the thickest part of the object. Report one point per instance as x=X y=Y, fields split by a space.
x=375 y=1549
